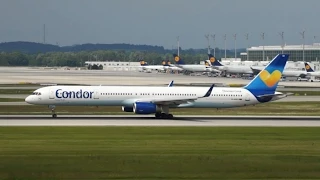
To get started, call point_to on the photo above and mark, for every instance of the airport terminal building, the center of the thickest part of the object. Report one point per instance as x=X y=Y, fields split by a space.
x=311 y=52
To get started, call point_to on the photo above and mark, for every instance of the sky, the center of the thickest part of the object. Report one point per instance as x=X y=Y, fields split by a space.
x=160 y=22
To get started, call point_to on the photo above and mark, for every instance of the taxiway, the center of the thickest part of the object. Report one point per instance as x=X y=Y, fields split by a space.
x=210 y=121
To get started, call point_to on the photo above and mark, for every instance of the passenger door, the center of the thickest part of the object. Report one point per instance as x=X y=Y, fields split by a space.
x=96 y=94
x=51 y=94
x=247 y=97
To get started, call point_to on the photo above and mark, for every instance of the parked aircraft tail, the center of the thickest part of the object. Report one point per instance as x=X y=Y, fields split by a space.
x=214 y=61
x=143 y=63
x=177 y=59
x=308 y=67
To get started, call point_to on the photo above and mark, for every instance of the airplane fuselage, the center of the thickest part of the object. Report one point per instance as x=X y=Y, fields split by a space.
x=128 y=95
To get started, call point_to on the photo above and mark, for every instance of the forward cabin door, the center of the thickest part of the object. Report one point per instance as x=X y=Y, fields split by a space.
x=51 y=94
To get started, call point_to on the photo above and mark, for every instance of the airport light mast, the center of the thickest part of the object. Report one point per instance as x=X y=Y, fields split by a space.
x=247 y=38
x=178 y=45
x=208 y=39
x=302 y=34
x=262 y=36
x=225 y=46
x=214 y=41
x=282 y=40
x=235 y=46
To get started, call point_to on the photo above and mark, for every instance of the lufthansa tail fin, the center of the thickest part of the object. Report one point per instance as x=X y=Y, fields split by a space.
x=166 y=63
x=308 y=67
x=267 y=80
x=207 y=63
x=143 y=63
x=177 y=59
x=214 y=61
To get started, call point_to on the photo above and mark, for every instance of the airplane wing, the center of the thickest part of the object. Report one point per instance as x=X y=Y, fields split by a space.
x=174 y=100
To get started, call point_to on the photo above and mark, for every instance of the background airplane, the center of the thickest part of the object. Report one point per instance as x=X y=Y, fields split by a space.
x=206 y=67
x=286 y=72
x=233 y=69
x=158 y=100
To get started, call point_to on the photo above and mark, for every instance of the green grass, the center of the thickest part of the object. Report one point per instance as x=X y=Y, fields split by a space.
x=16 y=91
x=159 y=153
x=11 y=100
x=273 y=108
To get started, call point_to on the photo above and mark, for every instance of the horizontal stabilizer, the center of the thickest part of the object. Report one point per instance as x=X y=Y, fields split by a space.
x=274 y=95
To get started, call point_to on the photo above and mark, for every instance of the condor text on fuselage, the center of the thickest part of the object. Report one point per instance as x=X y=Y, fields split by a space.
x=73 y=94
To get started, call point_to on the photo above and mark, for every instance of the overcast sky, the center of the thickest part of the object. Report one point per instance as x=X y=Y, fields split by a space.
x=159 y=22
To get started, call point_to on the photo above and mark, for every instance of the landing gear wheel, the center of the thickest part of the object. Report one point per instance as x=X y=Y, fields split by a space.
x=158 y=115
x=169 y=116
x=163 y=116
x=53 y=107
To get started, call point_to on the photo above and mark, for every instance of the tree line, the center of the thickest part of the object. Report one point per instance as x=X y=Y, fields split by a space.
x=23 y=57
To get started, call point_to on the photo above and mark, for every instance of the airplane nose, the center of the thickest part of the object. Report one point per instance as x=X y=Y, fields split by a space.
x=28 y=99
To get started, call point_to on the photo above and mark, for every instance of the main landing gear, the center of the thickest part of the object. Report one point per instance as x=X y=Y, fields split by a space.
x=52 y=107
x=164 y=114
x=160 y=115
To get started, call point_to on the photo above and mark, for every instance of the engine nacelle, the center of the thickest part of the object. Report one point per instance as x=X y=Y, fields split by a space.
x=144 y=108
x=127 y=109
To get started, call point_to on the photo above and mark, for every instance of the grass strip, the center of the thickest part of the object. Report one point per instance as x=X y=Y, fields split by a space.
x=159 y=153
x=11 y=100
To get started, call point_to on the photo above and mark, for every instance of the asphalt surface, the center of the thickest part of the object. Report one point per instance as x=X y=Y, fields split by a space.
x=256 y=121
x=12 y=75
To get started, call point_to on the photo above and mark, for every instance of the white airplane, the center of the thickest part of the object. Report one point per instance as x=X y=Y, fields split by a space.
x=158 y=100
x=233 y=69
x=286 y=72
x=207 y=67
x=144 y=66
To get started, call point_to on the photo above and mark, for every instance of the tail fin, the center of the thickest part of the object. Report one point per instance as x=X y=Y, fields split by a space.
x=267 y=80
x=207 y=63
x=166 y=63
x=143 y=63
x=308 y=67
x=214 y=61
x=177 y=59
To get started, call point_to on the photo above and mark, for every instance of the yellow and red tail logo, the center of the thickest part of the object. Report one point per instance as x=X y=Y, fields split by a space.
x=176 y=58
x=143 y=63
x=307 y=67
x=270 y=79
x=212 y=59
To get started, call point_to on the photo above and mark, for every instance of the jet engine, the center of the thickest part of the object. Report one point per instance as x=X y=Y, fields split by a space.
x=144 y=108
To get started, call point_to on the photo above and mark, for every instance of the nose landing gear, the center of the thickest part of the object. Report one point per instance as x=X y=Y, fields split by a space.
x=52 y=107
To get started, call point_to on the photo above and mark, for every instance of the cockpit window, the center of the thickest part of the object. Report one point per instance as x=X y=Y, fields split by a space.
x=36 y=93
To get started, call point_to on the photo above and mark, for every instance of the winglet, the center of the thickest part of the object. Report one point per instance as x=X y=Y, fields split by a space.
x=209 y=91
x=170 y=84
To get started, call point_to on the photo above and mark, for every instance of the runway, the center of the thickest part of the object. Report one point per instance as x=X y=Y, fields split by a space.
x=201 y=121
